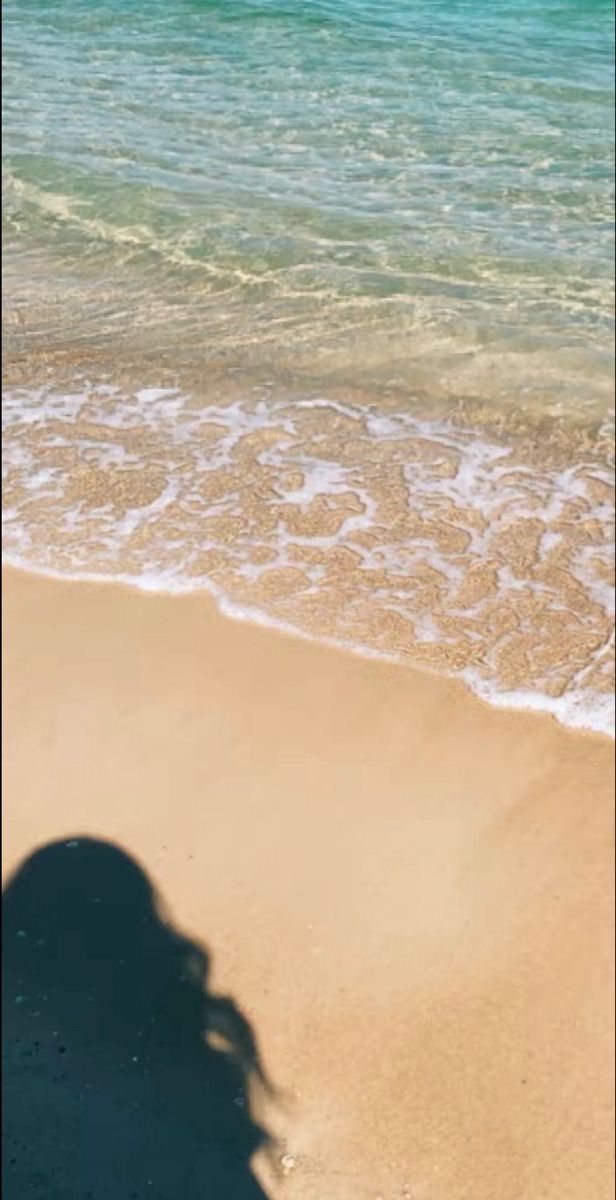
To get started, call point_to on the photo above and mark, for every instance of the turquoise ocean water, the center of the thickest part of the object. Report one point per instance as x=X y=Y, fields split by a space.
x=338 y=272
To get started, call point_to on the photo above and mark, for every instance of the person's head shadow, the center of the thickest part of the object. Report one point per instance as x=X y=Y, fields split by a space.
x=124 y=1076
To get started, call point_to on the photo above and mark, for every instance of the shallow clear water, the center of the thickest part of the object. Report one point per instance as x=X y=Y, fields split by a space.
x=370 y=246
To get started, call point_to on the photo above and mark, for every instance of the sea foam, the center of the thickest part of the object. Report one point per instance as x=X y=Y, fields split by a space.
x=405 y=538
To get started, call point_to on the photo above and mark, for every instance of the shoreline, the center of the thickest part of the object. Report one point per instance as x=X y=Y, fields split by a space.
x=406 y=890
x=228 y=610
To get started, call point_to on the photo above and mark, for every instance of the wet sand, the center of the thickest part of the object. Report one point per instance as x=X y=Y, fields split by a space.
x=408 y=894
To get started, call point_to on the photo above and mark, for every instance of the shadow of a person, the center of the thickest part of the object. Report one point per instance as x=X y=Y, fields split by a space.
x=124 y=1077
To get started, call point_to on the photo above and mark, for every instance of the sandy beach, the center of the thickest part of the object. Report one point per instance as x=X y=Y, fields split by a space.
x=407 y=893
x=308 y=572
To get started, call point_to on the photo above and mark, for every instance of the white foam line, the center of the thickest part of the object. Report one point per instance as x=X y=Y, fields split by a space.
x=594 y=715
x=486 y=487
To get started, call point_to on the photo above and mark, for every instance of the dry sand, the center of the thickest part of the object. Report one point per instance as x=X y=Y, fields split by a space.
x=409 y=894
